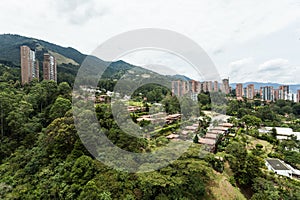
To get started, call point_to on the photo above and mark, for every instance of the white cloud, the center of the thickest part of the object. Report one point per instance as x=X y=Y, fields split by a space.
x=242 y=62
x=213 y=24
x=240 y=70
x=78 y=12
x=273 y=64
x=276 y=70
x=162 y=62
x=218 y=26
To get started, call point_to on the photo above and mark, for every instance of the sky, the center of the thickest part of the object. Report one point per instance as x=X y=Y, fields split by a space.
x=250 y=40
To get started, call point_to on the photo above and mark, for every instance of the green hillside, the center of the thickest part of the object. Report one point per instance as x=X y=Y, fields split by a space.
x=68 y=59
x=10 y=48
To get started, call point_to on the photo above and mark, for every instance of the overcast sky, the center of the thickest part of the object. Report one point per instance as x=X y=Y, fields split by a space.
x=250 y=40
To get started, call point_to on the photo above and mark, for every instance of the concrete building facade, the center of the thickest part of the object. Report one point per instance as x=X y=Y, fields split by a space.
x=250 y=91
x=267 y=93
x=225 y=86
x=216 y=86
x=49 y=67
x=239 y=90
x=179 y=88
x=29 y=65
x=284 y=92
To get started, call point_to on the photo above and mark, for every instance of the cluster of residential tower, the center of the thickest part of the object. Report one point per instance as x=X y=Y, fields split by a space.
x=266 y=93
x=193 y=88
x=30 y=66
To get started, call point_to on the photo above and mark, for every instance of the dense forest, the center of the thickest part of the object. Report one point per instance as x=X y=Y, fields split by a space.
x=43 y=157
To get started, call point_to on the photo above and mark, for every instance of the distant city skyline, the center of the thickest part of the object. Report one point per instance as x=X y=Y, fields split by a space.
x=247 y=40
x=240 y=91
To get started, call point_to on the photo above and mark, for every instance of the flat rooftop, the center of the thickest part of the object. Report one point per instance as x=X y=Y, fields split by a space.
x=226 y=125
x=207 y=141
x=212 y=136
x=215 y=131
x=220 y=128
x=277 y=164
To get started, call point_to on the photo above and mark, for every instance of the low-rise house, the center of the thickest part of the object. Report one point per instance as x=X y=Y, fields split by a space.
x=295 y=172
x=216 y=131
x=171 y=118
x=135 y=108
x=282 y=133
x=228 y=125
x=172 y=136
x=174 y=116
x=207 y=141
x=191 y=128
x=211 y=136
x=278 y=167
x=184 y=132
x=157 y=117
x=221 y=128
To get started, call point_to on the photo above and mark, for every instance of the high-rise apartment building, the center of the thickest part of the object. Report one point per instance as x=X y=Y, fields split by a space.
x=284 y=92
x=298 y=96
x=49 y=67
x=179 y=88
x=239 y=90
x=276 y=94
x=250 y=91
x=176 y=88
x=245 y=92
x=216 y=86
x=207 y=86
x=267 y=93
x=29 y=65
x=193 y=86
x=225 y=86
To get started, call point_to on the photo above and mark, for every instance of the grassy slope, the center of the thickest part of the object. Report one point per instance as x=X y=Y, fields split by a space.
x=221 y=189
x=267 y=146
x=62 y=59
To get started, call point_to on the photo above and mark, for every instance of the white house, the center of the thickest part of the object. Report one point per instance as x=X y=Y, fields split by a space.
x=278 y=167
x=295 y=172
x=282 y=133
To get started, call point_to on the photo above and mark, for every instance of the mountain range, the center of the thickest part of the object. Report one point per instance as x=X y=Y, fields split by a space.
x=70 y=59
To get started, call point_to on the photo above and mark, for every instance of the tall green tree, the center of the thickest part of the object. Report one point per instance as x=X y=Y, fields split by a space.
x=251 y=121
x=59 y=108
x=19 y=117
x=64 y=90
x=6 y=103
